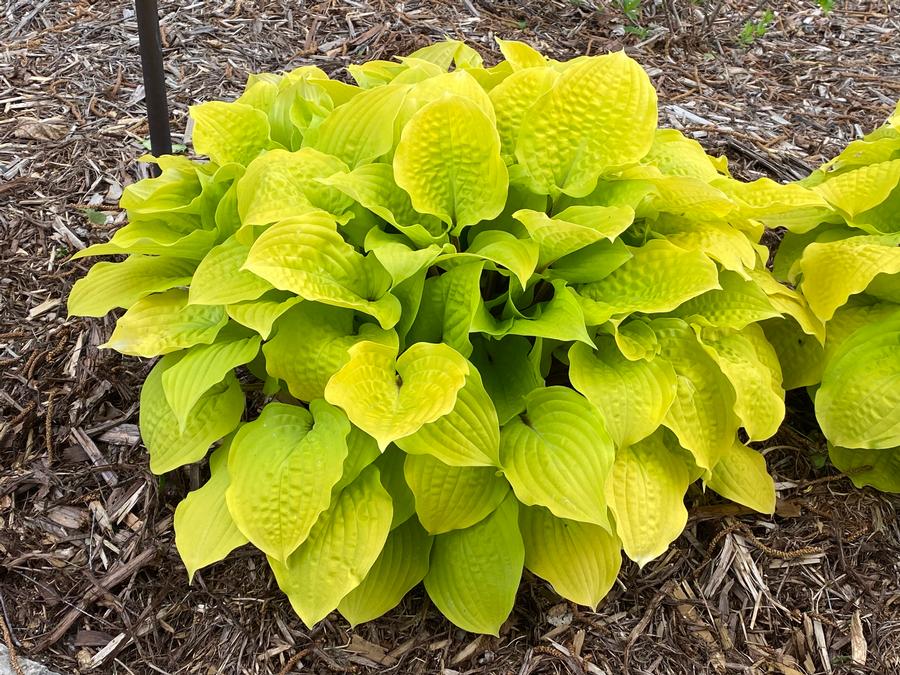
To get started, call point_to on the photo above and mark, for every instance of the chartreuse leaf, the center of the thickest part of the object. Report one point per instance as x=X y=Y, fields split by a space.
x=878 y=468
x=658 y=278
x=341 y=548
x=452 y=497
x=282 y=184
x=741 y=476
x=474 y=573
x=219 y=279
x=793 y=206
x=108 y=285
x=153 y=238
x=580 y=560
x=448 y=160
x=216 y=414
x=163 y=323
x=591 y=263
x=646 y=490
x=636 y=340
x=600 y=115
x=510 y=371
x=310 y=345
x=573 y=229
x=854 y=192
x=361 y=130
x=469 y=435
x=751 y=364
x=399 y=259
x=676 y=155
x=728 y=246
x=560 y=318
x=391 y=464
x=283 y=467
x=390 y=397
x=512 y=99
x=702 y=413
x=459 y=83
x=521 y=55
x=307 y=256
x=261 y=314
x=858 y=404
x=801 y=355
x=362 y=450
x=633 y=396
x=204 y=530
x=739 y=303
x=230 y=132
x=373 y=186
x=831 y=272
x=202 y=367
x=558 y=453
x=853 y=316
x=402 y=564
x=519 y=256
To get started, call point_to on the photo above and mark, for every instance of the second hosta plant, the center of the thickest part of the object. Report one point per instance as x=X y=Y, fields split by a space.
x=446 y=324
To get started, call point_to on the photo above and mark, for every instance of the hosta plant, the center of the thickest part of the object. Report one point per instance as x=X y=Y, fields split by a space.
x=846 y=263
x=488 y=319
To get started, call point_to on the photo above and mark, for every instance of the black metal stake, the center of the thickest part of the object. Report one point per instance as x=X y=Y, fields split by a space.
x=154 y=78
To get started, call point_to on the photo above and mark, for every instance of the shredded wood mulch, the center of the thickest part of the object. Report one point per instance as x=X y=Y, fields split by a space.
x=90 y=581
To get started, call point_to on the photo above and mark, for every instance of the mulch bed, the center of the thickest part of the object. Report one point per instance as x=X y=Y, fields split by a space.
x=90 y=580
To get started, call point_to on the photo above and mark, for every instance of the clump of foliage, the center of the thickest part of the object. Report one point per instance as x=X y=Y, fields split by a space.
x=756 y=28
x=844 y=258
x=488 y=318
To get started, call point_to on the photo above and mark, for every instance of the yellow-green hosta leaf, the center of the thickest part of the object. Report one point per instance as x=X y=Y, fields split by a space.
x=858 y=404
x=401 y=260
x=214 y=416
x=393 y=477
x=283 y=466
x=402 y=564
x=469 y=435
x=831 y=272
x=204 y=530
x=580 y=560
x=727 y=245
x=341 y=548
x=510 y=370
x=789 y=303
x=853 y=316
x=687 y=196
x=633 y=396
x=201 y=368
x=230 y=132
x=513 y=98
x=558 y=454
x=108 y=285
x=737 y=304
x=635 y=339
x=390 y=397
x=560 y=318
x=362 y=450
x=164 y=323
x=361 y=130
x=474 y=573
x=452 y=497
x=153 y=238
x=219 y=279
x=307 y=256
x=702 y=414
x=793 y=206
x=519 y=256
x=573 y=229
x=801 y=355
x=373 y=186
x=751 y=365
x=521 y=55
x=741 y=476
x=282 y=184
x=446 y=52
x=676 y=155
x=600 y=115
x=459 y=83
x=658 y=278
x=310 y=345
x=861 y=189
x=878 y=468
x=261 y=314
x=646 y=490
x=591 y=263
x=448 y=160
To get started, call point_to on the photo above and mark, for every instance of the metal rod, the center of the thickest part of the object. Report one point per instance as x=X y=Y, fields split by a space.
x=154 y=78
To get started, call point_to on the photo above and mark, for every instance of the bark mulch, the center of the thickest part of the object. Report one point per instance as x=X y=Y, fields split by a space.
x=90 y=581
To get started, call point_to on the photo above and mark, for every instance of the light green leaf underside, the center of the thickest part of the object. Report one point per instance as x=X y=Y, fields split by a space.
x=580 y=560
x=474 y=573
x=452 y=497
x=646 y=494
x=402 y=564
x=558 y=454
x=390 y=397
x=216 y=414
x=341 y=549
x=108 y=285
x=741 y=476
x=283 y=466
x=204 y=530
x=633 y=396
